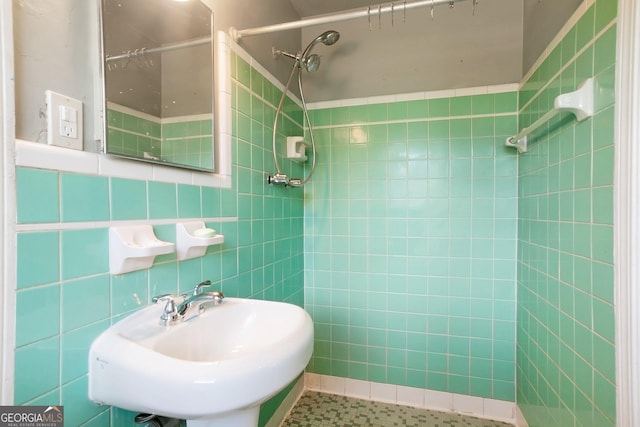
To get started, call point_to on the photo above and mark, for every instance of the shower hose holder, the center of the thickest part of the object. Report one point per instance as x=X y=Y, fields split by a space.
x=296 y=149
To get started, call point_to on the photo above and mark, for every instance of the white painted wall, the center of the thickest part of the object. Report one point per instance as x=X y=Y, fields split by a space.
x=57 y=48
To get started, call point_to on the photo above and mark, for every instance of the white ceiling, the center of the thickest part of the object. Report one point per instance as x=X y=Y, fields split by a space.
x=456 y=49
x=496 y=44
x=307 y=8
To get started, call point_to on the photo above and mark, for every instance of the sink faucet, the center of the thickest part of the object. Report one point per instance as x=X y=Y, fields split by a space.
x=173 y=314
x=199 y=287
x=201 y=300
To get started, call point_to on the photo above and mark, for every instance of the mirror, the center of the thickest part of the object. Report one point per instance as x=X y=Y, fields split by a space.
x=158 y=78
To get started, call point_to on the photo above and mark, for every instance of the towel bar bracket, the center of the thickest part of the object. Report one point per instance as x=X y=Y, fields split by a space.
x=579 y=103
x=520 y=144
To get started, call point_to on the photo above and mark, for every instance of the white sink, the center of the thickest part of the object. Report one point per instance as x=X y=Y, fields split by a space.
x=214 y=369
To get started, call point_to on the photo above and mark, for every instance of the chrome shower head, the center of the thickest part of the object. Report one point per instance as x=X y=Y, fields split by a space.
x=329 y=37
x=312 y=62
x=306 y=59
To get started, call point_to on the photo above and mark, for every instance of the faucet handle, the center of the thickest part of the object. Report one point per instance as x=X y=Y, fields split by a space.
x=163 y=297
x=198 y=289
x=170 y=313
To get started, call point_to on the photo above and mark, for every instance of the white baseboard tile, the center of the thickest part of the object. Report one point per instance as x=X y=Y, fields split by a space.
x=287 y=404
x=501 y=410
x=333 y=385
x=479 y=407
x=469 y=405
x=357 y=388
x=312 y=381
x=384 y=393
x=410 y=396
x=438 y=400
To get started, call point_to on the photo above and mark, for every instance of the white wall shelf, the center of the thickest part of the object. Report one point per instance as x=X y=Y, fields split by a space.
x=193 y=238
x=135 y=247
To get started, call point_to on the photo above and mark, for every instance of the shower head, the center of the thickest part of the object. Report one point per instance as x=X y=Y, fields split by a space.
x=306 y=59
x=329 y=37
x=312 y=62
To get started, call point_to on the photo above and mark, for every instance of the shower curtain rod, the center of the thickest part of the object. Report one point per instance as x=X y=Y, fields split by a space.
x=337 y=17
x=165 y=48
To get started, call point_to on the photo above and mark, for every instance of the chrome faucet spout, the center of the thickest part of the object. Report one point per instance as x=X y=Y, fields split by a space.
x=201 y=301
x=175 y=312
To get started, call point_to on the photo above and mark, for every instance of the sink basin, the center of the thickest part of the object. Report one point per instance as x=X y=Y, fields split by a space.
x=214 y=369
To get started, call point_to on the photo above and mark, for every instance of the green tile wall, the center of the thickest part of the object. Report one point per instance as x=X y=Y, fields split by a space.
x=132 y=136
x=188 y=142
x=70 y=298
x=417 y=225
x=183 y=142
x=410 y=244
x=566 y=348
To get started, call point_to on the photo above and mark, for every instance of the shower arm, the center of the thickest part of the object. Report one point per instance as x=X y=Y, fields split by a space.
x=236 y=34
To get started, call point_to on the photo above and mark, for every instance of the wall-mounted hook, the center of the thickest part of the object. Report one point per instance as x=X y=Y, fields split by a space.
x=451 y=3
x=126 y=64
x=432 y=10
x=392 y=7
x=475 y=3
x=404 y=11
x=369 y=16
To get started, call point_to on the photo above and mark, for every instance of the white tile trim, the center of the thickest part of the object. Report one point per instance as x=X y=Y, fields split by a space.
x=7 y=206
x=62 y=226
x=626 y=207
x=429 y=119
x=573 y=20
x=357 y=388
x=43 y=156
x=490 y=409
x=130 y=111
x=415 y=96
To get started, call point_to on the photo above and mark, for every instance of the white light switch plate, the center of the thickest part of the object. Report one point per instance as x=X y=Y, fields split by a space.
x=64 y=121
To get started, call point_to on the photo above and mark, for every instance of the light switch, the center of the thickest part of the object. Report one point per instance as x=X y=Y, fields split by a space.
x=68 y=122
x=64 y=121
x=68 y=114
